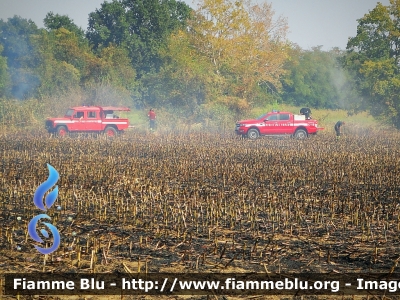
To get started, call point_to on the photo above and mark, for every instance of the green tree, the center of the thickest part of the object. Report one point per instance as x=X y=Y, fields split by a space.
x=4 y=77
x=140 y=26
x=373 y=58
x=315 y=78
x=66 y=64
x=117 y=68
x=185 y=79
x=57 y=75
x=55 y=21
x=15 y=37
x=62 y=61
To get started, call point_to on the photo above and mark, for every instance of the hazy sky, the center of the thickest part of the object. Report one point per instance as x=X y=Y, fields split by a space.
x=327 y=23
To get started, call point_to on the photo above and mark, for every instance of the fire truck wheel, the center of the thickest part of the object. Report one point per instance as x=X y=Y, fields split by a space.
x=110 y=131
x=253 y=134
x=62 y=131
x=300 y=134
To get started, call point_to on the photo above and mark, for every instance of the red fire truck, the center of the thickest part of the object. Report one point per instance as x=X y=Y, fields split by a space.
x=279 y=123
x=99 y=119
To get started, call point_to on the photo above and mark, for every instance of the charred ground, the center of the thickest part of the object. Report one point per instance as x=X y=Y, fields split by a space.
x=205 y=203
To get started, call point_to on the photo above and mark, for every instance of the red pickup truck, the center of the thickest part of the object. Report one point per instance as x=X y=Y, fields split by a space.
x=89 y=119
x=279 y=123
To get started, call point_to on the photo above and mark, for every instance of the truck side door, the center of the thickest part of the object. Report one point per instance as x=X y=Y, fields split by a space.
x=93 y=121
x=270 y=125
x=77 y=121
x=285 y=124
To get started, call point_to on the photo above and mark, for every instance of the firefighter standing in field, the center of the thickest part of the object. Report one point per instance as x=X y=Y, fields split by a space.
x=152 y=119
x=338 y=126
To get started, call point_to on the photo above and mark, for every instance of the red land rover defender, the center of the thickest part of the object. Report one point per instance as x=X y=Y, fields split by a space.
x=89 y=119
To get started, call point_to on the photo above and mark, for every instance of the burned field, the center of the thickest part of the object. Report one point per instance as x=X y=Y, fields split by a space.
x=205 y=203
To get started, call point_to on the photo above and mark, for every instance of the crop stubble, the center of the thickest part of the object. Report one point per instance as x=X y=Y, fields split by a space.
x=205 y=203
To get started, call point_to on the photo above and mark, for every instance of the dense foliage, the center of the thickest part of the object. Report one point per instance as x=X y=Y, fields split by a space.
x=223 y=57
x=140 y=26
x=3 y=74
x=314 y=78
x=15 y=37
x=373 y=57
x=227 y=57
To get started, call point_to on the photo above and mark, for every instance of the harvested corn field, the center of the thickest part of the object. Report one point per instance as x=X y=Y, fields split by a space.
x=205 y=203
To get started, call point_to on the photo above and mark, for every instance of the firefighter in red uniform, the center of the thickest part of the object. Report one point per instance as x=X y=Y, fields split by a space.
x=152 y=119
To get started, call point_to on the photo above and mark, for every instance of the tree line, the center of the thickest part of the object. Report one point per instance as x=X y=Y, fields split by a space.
x=225 y=55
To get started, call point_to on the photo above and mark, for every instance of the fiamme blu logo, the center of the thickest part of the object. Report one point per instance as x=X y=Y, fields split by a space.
x=44 y=206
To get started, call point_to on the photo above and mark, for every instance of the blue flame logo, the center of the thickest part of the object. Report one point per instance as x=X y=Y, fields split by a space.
x=49 y=201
